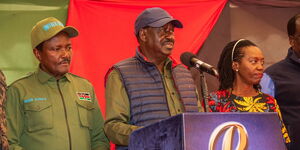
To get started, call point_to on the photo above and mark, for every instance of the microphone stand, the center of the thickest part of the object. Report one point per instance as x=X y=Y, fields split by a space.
x=204 y=91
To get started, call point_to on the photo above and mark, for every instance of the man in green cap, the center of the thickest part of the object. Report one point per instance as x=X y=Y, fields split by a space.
x=52 y=109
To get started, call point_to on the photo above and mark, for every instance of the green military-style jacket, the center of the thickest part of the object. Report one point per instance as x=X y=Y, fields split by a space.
x=44 y=113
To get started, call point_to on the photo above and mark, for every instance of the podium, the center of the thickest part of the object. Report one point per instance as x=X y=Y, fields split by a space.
x=211 y=131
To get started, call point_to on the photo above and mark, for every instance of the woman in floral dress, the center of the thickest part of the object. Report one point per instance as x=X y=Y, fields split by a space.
x=240 y=68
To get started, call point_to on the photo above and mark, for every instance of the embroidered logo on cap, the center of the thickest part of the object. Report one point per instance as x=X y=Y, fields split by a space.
x=84 y=96
x=46 y=27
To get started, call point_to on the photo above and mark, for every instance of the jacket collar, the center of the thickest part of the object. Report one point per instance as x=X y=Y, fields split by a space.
x=292 y=56
x=43 y=76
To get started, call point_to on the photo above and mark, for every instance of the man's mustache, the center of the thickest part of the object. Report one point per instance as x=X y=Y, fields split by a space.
x=68 y=60
x=168 y=41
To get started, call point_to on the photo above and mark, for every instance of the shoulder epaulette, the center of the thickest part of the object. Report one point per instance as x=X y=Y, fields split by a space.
x=23 y=77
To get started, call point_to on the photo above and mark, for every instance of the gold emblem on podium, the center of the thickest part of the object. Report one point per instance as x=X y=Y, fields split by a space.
x=228 y=129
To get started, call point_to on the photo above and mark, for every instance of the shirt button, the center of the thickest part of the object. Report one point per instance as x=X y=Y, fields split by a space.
x=173 y=93
x=179 y=110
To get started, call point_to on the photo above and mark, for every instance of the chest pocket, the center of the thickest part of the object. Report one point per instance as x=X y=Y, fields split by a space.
x=85 y=110
x=38 y=115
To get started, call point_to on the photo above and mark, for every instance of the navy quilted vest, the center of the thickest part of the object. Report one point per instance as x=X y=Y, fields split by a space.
x=146 y=91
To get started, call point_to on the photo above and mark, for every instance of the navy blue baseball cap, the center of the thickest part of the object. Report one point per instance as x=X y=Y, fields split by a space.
x=154 y=17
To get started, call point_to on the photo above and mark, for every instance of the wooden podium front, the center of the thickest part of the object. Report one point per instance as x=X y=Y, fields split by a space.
x=211 y=131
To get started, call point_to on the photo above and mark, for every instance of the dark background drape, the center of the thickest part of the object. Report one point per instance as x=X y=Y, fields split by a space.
x=262 y=22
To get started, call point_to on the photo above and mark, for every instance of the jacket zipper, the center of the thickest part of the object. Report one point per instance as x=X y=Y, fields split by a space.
x=65 y=111
x=163 y=83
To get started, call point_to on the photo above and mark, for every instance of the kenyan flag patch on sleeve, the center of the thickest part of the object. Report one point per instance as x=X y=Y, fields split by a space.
x=84 y=96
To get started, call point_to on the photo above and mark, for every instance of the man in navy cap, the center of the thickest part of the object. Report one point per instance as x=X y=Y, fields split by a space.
x=150 y=86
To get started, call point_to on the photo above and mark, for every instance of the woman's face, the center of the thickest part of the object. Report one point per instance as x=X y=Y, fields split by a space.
x=250 y=69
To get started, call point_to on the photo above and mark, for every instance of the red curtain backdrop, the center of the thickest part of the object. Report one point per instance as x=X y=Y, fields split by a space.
x=106 y=32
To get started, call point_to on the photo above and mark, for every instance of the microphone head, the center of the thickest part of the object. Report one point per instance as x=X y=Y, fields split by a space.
x=186 y=58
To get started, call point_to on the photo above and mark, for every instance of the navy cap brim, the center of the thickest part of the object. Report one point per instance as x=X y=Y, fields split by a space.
x=162 y=22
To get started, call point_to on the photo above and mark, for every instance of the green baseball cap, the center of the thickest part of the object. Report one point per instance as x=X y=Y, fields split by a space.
x=48 y=28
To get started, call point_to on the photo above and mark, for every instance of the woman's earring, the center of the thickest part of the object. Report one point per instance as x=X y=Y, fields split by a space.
x=236 y=70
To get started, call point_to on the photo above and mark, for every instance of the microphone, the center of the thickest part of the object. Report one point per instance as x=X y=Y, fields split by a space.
x=190 y=60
